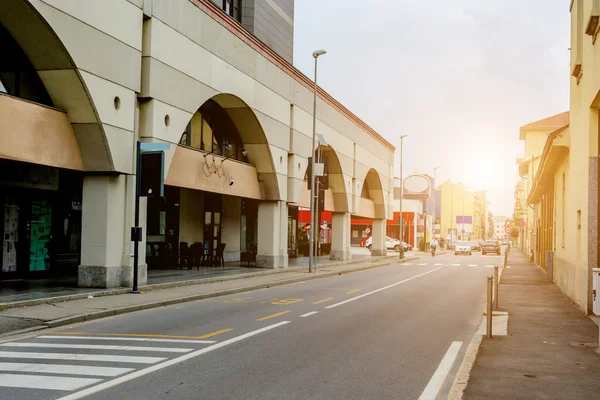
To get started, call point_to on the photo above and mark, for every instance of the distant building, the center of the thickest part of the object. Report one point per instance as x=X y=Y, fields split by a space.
x=499 y=226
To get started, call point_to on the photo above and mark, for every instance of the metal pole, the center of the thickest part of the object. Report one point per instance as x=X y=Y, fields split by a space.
x=317 y=213
x=311 y=239
x=401 y=254
x=496 y=285
x=490 y=288
x=136 y=231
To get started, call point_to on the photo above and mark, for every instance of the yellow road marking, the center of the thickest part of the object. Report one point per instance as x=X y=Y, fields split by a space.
x=148 y=335
x=287 y=301
x=353 y=291
x=323 y=301
x=215 y=333
x=273 y=315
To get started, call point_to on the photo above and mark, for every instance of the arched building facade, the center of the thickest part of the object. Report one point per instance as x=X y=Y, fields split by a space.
x=81 y=83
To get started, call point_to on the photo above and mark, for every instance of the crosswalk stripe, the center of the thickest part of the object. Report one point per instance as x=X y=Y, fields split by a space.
x=97 y=347
x=63 y=369
x=44 y=382
x=489 y=266
x=455 y=265
x=406 y=264
x=438 y=264
x=81 y=357
x=422 y=264
x=132 y=339
x=472 y=265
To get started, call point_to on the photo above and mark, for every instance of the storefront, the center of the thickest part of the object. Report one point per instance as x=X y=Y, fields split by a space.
x=186 y=217
x=41 y=221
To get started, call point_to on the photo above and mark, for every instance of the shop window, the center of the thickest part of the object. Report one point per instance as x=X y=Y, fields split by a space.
x=17 y=76
x=209 y=128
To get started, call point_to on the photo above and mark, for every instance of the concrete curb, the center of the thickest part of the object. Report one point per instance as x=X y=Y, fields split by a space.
x=139 y=307
x=166 y=285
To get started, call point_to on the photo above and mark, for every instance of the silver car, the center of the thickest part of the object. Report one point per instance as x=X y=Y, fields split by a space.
x=463 y=247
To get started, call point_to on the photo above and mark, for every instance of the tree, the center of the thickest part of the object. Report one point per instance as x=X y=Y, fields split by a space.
x=490 y=232
x=514 y=232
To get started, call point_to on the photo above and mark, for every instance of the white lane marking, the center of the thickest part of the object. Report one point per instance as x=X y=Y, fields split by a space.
x=438 y=264
x=81 y=357
x=297 y=283
x=63 y=369
x=422 y=264
x=384 y=288
x=455 y=265
x=44 y=382
x=173 y=361
x=437 y=380
x=508 y=266
x=133 y=339
x=489 y=266
x=97 y=347
x=472 y=265
x=308 y=314
x=406 y=264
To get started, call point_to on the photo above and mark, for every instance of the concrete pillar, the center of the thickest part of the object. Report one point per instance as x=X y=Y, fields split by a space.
x=340 y=240
x=272 y=234
x=378 y=247
x=106 y=248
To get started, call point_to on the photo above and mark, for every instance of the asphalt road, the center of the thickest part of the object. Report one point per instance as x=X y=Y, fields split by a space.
x=389 y=332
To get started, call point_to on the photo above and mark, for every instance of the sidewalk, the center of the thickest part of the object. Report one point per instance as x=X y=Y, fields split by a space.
x=57 y=312
x=551 y=348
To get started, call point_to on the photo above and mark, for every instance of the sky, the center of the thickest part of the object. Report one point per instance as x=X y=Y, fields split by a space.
x=458 y=77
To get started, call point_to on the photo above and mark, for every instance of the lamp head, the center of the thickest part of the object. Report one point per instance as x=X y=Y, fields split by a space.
x=318 y=53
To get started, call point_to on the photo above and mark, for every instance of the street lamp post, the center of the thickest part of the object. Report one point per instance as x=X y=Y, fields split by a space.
x=316 y=54
x=401 y=254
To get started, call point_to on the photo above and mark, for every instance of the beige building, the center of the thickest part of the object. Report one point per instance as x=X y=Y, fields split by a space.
x=534 y=136
x=84 y=81
x=456 y=212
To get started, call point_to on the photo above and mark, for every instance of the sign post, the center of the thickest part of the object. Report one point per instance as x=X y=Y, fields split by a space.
x=155 y=150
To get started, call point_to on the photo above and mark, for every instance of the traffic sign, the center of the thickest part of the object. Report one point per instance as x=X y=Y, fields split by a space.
x=521 y=223
x=508 y=229
x=325 y=223
x=368 y=230
x=519 y=230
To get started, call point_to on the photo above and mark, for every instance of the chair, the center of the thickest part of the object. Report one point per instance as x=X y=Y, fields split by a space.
x=207 y=258
x=184 y=251
x=219 y=259
x=195 y=256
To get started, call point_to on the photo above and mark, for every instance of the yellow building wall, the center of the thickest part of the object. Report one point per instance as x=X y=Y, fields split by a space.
x=584 y=102
x=456 y=200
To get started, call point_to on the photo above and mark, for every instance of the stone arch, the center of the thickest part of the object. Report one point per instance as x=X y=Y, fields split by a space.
x=61 y=79
x=252 y=138
x=374 y=188
x=337 y=186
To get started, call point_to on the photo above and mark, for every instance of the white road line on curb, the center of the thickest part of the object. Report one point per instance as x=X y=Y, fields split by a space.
x=97 y=347
x=110 y=338
x=437 y=380
x=44 y=382
x=385 y=287
x=88 y=370
x=81 y=357
x=173 y=361
x=308 y=314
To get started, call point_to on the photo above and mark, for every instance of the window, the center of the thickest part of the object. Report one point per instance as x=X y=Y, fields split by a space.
x=233 y=8
x=209 y=128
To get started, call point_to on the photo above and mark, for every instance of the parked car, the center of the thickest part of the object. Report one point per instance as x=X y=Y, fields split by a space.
x=490 y=246
x=475 y=245
x=407 y=247
x=390 y=244
x=505 y=243
x=462 y=247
